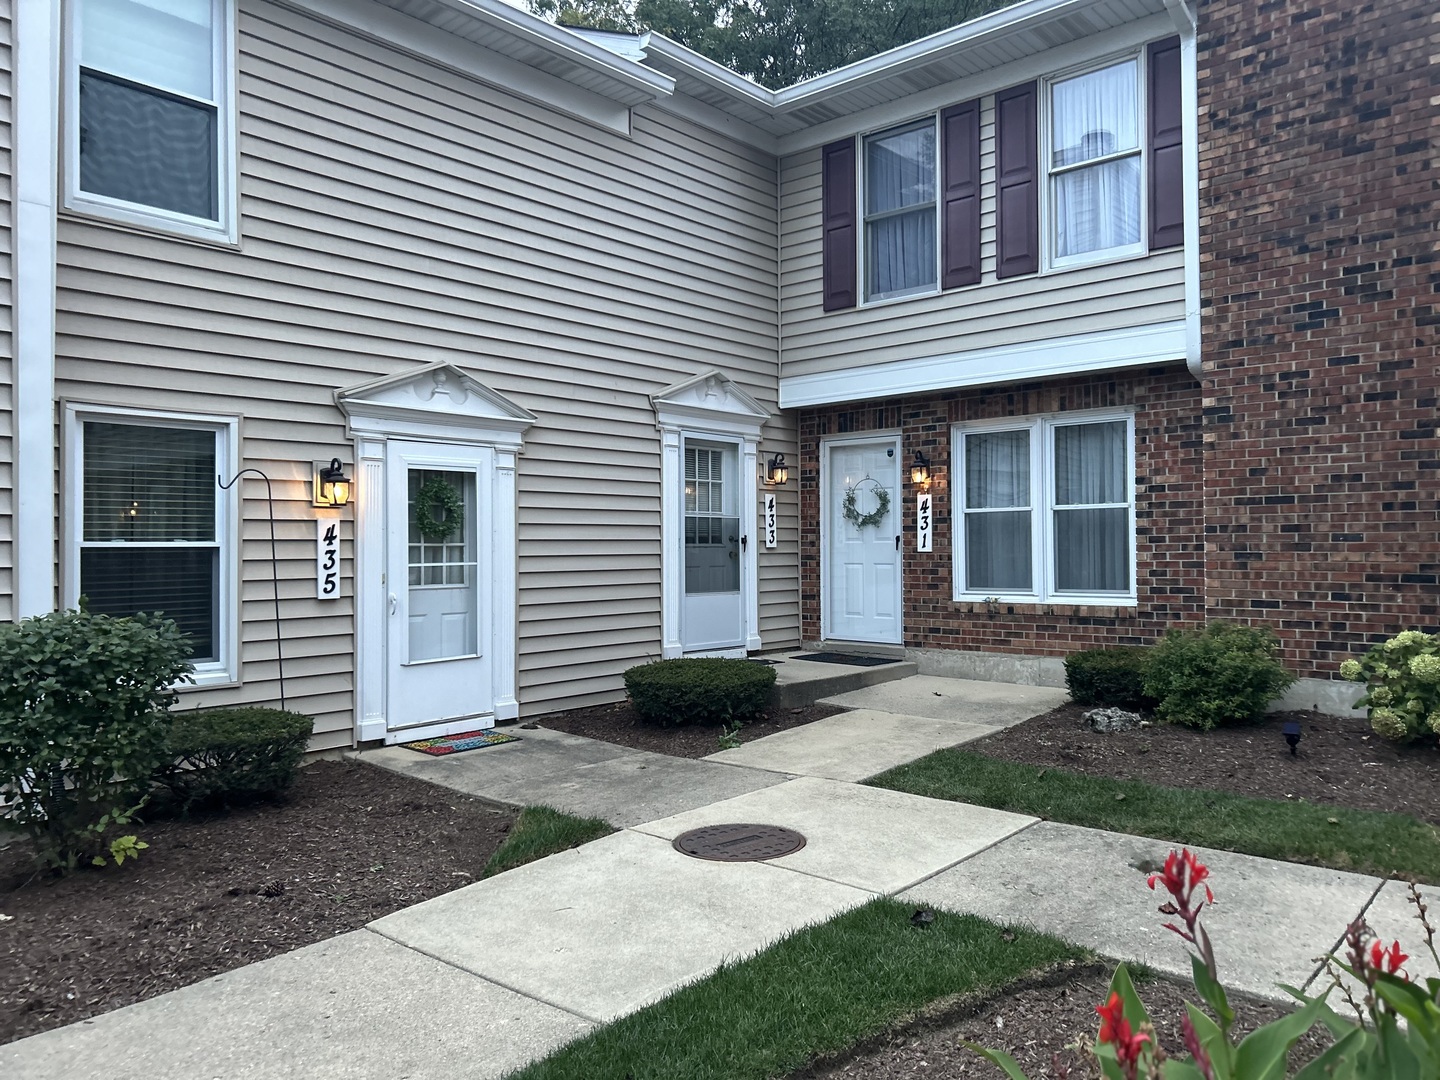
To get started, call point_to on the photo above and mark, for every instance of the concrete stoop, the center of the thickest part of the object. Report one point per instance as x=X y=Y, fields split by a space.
x=803 y=682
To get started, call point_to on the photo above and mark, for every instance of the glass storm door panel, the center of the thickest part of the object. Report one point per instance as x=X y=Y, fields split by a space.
x=862 y=563
x=712 y=612
x=438 y=566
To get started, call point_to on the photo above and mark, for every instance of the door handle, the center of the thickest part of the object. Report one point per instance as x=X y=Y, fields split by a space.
x=897 y=541
x=394 y=602
x=744 y=540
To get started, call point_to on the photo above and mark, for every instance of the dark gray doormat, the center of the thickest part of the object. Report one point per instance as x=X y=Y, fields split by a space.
x=845 y=658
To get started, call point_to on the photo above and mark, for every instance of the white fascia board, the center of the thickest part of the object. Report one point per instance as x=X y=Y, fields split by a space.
x=1158 y=343
x=1129 y=36
x=401 y=32
x=708 y=71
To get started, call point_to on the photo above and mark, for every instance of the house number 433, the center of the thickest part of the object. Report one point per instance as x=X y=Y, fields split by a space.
x=327 y=559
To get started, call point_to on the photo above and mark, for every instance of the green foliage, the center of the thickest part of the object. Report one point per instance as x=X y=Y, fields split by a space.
x=1111 y=677
x=1402 y=685
x=540 y=831
x=82 y=724
x=775 y=43
x=230 y=755
x=730 y=737
x=699 y=690
x=1224 y=674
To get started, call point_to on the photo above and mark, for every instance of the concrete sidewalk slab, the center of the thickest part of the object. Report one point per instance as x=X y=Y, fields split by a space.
x=616 y=924
x=995 y=705
x=1270 y=923
x=852 y=745
x=580 y=776
x=870 y=838
x=356 y=1007
x=1393 y=918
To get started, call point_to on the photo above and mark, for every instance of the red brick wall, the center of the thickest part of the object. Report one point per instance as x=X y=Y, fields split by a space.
x=1319 y=138
x=1169 y=513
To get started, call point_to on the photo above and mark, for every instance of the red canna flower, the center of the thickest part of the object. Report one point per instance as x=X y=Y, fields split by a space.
x=1182 y=875
x=1387 y=960
x=1113 y=1025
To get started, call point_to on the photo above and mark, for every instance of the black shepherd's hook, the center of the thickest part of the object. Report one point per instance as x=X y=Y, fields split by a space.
x=274 y=568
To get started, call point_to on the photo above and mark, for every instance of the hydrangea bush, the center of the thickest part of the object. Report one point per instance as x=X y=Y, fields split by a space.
x=1402 y=679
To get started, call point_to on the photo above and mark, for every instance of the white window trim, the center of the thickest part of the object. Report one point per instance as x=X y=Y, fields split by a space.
x=862 y=217
x=1139 y=250
x=1042 y=479
x=225 y=229
x=226 y=669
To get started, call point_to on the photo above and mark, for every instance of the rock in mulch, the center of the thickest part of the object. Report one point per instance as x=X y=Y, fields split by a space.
x=1110 y=720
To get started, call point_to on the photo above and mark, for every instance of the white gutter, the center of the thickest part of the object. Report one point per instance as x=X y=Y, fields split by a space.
x=36 y=90
x=1184 y=20
x=708 y=71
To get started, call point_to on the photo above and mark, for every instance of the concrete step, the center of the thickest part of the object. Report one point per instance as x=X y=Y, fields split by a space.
x=803 y=682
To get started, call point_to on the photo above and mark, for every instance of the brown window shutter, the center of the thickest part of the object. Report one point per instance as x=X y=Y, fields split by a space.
x=1018 y=213
x=1167 y=156
x=960 y=196
x=838 y=215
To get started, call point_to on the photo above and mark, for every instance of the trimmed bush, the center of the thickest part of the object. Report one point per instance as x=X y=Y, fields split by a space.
x=233 y=755
x=1224 y=674
x=1112 y=677
x=82 y=727
x=699 y=690
x=1402 y=685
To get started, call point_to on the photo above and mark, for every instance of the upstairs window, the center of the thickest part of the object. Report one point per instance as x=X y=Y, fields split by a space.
x=1095 y=165
x=149 y=124
x=900 y=230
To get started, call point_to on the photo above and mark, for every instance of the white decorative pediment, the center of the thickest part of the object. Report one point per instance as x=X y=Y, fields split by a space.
x=436 y=400
x=711 y=398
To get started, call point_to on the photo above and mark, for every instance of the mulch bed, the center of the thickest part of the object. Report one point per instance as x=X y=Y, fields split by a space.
x=1040 y=1017
x=1341 y=761
x=349 y=843
x=621 y=724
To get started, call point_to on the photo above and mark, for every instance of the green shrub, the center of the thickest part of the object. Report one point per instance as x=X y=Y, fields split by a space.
x=229 y=755
x=82 y=726
x=1112 y=677
x=1402 y=678
x=1223 y=674
x=699 y=690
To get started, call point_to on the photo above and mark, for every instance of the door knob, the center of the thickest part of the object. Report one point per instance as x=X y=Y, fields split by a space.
x=394 y=602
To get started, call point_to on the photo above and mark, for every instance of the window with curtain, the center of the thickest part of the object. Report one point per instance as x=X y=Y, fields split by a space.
x=1046 y=510
x=149 y=537
x=148 y=118
x=1094 y=163
x=901 y=254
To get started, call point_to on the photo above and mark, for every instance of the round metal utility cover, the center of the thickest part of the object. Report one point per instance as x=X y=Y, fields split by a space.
x=739 y=843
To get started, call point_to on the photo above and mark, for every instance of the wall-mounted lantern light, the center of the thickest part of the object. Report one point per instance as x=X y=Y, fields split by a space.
x=332 y=486
x=920 y=471
x=776 y=471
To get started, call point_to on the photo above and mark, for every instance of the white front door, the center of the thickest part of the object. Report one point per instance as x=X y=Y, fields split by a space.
x=712 y=615
x=438 y=559
x=862 y=561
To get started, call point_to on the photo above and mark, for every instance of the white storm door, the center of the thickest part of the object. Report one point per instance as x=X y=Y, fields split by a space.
x=439 y=607
x=862 y=563
x=712 y=616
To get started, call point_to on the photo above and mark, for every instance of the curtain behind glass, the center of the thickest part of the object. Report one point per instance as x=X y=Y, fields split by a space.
x=997 y=545
x=1094 y=115
x=1092 y=546
x=900 y=253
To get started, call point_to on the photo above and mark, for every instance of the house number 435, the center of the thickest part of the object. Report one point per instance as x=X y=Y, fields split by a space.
x=327 y=559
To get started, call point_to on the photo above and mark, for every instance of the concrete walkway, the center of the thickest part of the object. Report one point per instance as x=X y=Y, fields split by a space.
x=478 y=981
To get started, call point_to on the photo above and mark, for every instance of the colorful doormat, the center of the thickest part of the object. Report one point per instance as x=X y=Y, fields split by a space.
x=455 y=744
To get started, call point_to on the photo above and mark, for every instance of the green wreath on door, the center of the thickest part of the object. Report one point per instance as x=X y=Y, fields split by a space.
x=852 y=511
x=438 y=510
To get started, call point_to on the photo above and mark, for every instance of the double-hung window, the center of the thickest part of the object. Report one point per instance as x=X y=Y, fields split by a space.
x=1045 y=509
x=1094 y=162
x=149 y=525
x=900 y=226
x=148 y=123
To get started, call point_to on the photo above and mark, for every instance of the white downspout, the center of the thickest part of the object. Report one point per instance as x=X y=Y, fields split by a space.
x=1184 y=20
x=36 y=90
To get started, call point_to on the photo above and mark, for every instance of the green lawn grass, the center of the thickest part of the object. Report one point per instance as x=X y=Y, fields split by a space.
x=1366 y=842
x=818 y=991
x=541 y=831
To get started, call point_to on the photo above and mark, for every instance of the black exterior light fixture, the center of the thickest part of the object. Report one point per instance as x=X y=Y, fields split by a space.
x=332 y=486
x=1292 y=735
x=920 y=471
x=776 y=471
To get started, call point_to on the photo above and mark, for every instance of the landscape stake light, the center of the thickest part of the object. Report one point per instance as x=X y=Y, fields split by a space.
x=1292 y=735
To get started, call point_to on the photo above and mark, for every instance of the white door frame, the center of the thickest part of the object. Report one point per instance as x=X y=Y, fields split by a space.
x=827 y=442
x=439 y=404
x=707 y=406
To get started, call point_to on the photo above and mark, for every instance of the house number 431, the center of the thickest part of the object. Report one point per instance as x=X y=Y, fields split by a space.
x=327 y=559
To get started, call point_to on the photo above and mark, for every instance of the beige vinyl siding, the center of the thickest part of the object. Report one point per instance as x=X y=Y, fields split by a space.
x=395 y=214
x=1035 y=308
x=7 y=380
